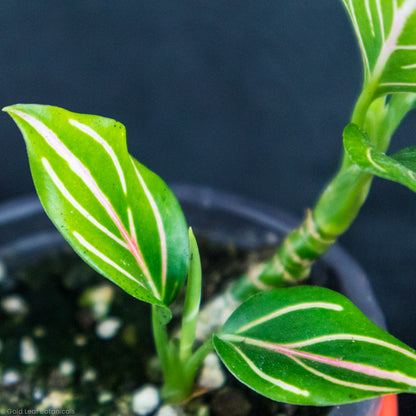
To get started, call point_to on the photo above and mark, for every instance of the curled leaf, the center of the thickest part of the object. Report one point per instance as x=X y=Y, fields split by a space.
x=398 y=168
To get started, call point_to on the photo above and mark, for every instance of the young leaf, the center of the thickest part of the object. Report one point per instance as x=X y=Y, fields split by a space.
x=310 y=345
x=407 y=157
x=386 y=32
x=119 y=216
x=398 y=168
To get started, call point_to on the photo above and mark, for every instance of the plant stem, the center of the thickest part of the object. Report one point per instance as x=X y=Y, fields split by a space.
x=198 y=357
x=334 y=212
x=342 y=199
x=363 y=103
x=179 y=364
x=161 y=339
x=176 y=386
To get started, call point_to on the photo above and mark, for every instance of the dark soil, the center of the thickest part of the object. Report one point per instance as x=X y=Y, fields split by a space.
x=95 y=376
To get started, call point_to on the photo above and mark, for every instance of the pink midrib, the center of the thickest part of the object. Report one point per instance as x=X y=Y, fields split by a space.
x=359 y=368
x=131 y=243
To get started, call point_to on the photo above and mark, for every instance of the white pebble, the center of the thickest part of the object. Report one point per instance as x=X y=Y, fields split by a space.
x=39 y=332
x=38 y=393
x=80 y=340
x=89 y=375
x=168 y=410
x=212 y=361
x=14 y=305
x=105 y=396
x=28 y=351
x=10 y=377
x=204 y=411
x=99 y=299
x=99 y=310
x=145 y=400
x=67 y=367
x=214 y=314
x=108 y=328
x=212 y=376
x=55 y=400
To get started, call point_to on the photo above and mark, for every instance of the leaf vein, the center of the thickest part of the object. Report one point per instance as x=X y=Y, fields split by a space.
x=104 y=258
x=264 y=376
x=85 y=175
x=160 y=227
x=289 y=309
x=335 y=380
x=67 y=195
x=94 y=135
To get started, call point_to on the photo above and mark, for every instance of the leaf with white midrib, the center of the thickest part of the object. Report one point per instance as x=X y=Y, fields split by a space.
x=386 y=33
x=120 y=217
x=310 y=345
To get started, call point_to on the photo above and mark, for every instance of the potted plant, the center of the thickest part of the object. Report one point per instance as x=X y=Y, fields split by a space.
x=233 y=233
x=299 y=345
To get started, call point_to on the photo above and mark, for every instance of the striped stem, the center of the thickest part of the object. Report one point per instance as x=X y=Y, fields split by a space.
x=333 y=214
x=342 y=199
x=294 y=259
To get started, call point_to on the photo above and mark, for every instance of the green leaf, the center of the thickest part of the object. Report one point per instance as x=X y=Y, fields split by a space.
x=192 y=300
x=310 y=345
x=386 y=32
x=397 y=168
x=120 y=217
x=407 y=157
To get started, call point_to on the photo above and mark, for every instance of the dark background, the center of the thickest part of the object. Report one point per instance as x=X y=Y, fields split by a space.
x=246 y=96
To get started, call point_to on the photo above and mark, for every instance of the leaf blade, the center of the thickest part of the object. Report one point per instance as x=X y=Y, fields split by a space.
x=109 y=215
x=309 y=345
x=395 y=168
x=387 y=40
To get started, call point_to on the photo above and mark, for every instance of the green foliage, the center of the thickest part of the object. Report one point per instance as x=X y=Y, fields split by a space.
x=399 y=168
x=386 y=33
x=192 y=300
x=310 y=345
x=118 y=216
x=304 y=345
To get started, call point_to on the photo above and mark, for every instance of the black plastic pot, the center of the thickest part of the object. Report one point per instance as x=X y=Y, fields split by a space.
x=26 y=235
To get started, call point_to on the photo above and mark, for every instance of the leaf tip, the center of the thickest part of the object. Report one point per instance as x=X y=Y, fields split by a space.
x=191 y=234
x=14 y=110
x=23 y=108
x=352 y=128
x=8 y=109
